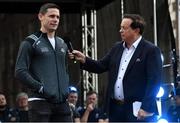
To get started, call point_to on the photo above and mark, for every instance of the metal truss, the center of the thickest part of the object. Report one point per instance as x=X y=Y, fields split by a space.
x=89 y=45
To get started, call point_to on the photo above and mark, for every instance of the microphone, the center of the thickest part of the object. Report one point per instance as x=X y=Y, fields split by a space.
x=69 y=45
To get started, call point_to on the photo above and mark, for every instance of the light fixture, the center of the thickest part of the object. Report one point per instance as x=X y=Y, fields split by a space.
x=162 y=120
x=160 y=93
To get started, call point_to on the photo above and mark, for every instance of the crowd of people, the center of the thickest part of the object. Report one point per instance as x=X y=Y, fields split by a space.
x=79 y=113
x=19 y=113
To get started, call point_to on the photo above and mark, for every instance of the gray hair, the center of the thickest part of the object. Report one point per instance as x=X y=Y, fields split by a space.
x=21 y=94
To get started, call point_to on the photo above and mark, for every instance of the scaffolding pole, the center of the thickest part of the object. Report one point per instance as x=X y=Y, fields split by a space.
x=155 y=22
x=89 y=45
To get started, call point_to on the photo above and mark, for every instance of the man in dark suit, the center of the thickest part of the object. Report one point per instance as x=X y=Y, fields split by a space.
x=135 y=67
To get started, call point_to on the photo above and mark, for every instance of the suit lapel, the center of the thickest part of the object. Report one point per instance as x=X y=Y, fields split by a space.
x=135 y=56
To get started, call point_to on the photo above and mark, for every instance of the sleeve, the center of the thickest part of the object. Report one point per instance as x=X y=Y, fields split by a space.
x=94 y=66
x=22 y=66
x=99 y=66
x=154 y=78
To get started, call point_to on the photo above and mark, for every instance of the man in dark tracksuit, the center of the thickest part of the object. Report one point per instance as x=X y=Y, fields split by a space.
x=41 y=66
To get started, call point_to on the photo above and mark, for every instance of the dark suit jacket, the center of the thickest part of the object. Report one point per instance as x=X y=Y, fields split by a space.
x=142 y=78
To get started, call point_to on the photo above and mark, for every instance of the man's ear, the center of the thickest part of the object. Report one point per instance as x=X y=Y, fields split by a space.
x=137 y=30
x=40 y=16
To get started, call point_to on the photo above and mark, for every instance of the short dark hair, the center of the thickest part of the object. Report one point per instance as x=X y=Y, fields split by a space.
x=46 y=6
x=137 y=21
x=91 y=92
x=1 y=93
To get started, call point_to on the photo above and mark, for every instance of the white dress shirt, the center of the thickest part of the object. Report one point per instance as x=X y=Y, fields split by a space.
x=125 y=59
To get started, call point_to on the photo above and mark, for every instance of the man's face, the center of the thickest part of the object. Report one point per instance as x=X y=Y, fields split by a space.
x=72 y=98
x=50 y=20
x=92 y=99
x=126 y=32
x=2 y=100
x=22 y=102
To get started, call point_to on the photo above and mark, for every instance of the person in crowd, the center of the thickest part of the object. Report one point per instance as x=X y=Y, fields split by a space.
x=22 y=106
x=91 y=113
x=72 y=95
x=135 y=73
x=174 y=110
x=7 y=114
x=41 y=65
x=72 y=100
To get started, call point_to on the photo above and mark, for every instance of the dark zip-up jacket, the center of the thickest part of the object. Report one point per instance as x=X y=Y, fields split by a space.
x=40 y=65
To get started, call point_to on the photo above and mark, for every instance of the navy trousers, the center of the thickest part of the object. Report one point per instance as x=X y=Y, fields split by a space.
x=124 y=113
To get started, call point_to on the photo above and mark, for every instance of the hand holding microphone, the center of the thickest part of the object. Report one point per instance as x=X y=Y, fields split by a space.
x=79 y=56
x=69 y=45
x=74 y=54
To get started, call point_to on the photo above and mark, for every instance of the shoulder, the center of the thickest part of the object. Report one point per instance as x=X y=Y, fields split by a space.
x=59 y=39
x=31 y=39
x=149 y=46
x=97 y=110
x=61 y=42
x=117 y=45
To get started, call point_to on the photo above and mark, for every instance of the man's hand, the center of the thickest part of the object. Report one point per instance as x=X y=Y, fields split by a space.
x=77 y=55
x=143 y=114
x=85 y=116
x=90 y=107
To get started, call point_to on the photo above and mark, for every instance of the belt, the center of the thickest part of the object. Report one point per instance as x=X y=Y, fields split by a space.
x=119 y=102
